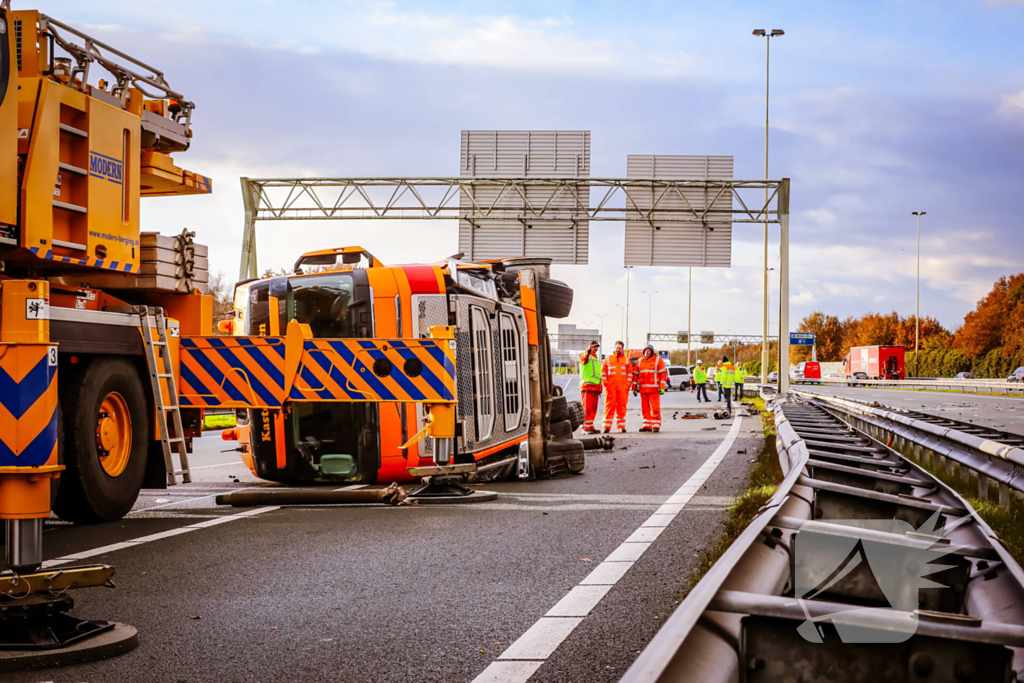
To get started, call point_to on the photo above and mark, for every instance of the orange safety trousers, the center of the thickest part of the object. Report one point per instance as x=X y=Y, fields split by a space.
x=591 y=397
x=650 y=402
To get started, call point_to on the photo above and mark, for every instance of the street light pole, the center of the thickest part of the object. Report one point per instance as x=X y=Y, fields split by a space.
x=602 y=316
x=689 y=307
x=650 y=307
x=629 y=269
x=622 y=324
x=917 y=306
x=767 y=61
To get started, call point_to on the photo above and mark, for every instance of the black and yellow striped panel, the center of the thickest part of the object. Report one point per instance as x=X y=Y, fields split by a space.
x=412 y=370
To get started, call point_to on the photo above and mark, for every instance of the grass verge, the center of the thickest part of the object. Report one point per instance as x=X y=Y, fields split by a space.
x=1007 y=522
x=764 y=481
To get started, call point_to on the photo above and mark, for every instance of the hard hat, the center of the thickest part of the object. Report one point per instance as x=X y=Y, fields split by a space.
x=700 y=362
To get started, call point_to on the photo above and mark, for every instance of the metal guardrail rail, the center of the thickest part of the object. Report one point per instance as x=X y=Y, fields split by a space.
x=990 y=454
x=974 y=386
x=802 y=595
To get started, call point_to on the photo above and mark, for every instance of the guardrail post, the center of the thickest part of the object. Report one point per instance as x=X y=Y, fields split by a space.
x=965 y=474
x=1004 y=495
x=982 y=487
x=949 y=467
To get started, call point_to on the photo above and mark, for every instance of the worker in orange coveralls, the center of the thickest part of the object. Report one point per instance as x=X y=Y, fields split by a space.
x=590 y=385
x=617 y=376
x=650 y=379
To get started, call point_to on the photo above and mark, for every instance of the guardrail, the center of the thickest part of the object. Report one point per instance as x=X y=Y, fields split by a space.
x=974 y=386
x=789 y=601
x=989 y=460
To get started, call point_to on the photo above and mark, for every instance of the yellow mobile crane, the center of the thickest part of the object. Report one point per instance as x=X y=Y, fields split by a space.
x=98 y=319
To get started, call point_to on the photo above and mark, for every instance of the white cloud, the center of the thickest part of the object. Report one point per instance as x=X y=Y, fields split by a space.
x=1011 y=106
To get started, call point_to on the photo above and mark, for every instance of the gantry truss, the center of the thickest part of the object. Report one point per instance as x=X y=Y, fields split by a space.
x=513 y=199
x=712 y=338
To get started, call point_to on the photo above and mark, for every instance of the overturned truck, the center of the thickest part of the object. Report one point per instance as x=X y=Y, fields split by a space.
x=510 y=419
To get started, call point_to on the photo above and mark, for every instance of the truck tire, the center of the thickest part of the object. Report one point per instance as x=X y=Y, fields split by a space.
x=562 y=429
x=106 y=439
x=576 y=414
x=571 y=449
x=559 y=409
x=555 y=298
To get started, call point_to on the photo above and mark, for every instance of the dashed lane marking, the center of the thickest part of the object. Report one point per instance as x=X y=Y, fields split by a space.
x=524 y=657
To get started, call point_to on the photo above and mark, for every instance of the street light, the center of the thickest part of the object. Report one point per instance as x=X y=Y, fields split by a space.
x=626 y=333
x=917 y=306
x=622 y=323
x=689 y=302
x=761 y=33
x=650 y=305
x=602 y=316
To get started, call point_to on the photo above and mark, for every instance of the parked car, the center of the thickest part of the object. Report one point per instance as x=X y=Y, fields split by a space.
x=831 y=375
x=1017 y=375
x=678 y=377
x=773 y=376
x=965 y=375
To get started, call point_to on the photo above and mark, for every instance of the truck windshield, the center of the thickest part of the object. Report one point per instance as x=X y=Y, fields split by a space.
x=324 y=303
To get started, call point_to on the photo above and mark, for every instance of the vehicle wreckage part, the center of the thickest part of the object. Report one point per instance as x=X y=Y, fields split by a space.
x=392 y=495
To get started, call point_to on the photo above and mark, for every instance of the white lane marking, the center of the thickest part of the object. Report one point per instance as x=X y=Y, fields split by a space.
x=352 y=487
x=544 y=637
x=508 y=670
x=606 y=574
x=579 y=601
x=223 y=464
x=84 y=554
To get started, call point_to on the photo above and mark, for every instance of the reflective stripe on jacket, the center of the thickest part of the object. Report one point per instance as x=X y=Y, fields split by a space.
x=728 y=373
x=617 y=372
x=650 y=374
x=590 y=369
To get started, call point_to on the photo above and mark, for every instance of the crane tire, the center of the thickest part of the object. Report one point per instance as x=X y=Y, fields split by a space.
x=106 y=430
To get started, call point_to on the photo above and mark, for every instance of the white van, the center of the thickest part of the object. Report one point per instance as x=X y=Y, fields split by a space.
x=678 y=377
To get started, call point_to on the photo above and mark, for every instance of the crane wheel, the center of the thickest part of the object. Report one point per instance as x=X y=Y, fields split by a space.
x=106 y=430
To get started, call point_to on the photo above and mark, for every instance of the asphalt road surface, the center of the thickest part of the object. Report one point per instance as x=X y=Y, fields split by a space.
x=413 y=593
x=999 y=412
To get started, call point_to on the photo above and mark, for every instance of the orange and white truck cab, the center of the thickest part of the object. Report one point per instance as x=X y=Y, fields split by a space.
x=350 y=294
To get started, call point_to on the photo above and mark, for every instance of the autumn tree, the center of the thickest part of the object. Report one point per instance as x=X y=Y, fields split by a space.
x=995 y=322
x=828 y=338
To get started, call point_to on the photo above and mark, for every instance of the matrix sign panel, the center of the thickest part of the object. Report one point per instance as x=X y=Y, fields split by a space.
x=525 y=154
x=668 y=241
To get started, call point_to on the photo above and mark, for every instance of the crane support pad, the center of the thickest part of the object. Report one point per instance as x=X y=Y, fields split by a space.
x=264 y=372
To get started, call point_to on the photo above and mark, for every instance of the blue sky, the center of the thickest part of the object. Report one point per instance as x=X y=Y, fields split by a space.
x=878 y=109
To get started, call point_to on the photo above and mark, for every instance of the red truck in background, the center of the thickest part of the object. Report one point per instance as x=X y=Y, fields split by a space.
x=876 y=362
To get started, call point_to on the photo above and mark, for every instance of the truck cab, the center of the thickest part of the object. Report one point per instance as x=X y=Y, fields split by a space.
x=347 y=293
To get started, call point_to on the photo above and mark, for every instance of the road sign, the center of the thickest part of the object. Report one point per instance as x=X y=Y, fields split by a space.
x=801 y=339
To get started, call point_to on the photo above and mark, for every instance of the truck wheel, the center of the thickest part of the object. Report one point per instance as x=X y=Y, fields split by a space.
x=555 y=298
x=562 y=429
x=106 y=440
x=572 y=450
x=576 y=414
x=559 y=409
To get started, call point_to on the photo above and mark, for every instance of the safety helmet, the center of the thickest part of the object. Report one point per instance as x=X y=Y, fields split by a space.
x=700 y=362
